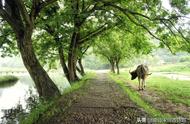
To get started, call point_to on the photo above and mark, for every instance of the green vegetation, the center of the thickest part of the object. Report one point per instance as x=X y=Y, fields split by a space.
x=7 y=80
x=177 y=91
x=177 y=67
x=65 y=29
x=122 y=46
x=136 y=98
x=51 y=107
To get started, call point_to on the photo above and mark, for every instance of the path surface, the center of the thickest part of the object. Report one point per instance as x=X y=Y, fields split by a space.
x=103 y=102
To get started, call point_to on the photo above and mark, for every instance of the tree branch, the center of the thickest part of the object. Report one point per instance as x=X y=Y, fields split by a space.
x=23 y=11
x=38 y=5
x=96 y=32
x=179 y=32
x=127 y=11
x=6 y=16
x=93 y=33
x=46 y=3
x=144 y=27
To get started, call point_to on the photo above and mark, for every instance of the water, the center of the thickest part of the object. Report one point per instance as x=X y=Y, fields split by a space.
x=13 y=95
x=174 y=76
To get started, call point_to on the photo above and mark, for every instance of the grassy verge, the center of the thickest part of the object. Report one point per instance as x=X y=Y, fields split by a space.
x=178 y=67
x=47 y=109
x=178 y=91
x=136 y=98
x=7 y=80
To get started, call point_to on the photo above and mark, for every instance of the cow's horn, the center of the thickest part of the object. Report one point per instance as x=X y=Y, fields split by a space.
x=149 y=73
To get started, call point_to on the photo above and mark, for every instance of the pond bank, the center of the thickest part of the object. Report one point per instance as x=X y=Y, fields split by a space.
x=7 y=80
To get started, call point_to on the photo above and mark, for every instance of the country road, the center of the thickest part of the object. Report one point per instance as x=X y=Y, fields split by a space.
x=102 y=102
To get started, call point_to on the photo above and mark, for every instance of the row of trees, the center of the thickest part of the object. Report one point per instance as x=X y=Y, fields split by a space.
x=44 y=31
x=116 y=46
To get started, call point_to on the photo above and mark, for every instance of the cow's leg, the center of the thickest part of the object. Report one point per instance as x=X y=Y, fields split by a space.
x=142 y=84
x=139 y=83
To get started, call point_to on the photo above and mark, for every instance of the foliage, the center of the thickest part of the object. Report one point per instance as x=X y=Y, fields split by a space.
x=7 y=80
x=185 y=59
x=7 y=41
x=117 y=45
x=93 y=62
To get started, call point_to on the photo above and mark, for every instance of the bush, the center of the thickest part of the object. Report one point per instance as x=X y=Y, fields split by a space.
x=7 y=80
x=185 y=59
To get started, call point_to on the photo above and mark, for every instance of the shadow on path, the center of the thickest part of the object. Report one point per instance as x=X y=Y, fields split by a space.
x=102 y=102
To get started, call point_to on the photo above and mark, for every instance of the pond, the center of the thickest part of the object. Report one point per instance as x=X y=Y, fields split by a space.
x=13 y=95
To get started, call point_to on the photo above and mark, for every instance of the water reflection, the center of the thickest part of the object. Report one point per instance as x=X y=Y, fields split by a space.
x=17 y=94
x=11 y=96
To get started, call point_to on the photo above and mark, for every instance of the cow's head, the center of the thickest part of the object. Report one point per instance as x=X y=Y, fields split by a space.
x=133 y=74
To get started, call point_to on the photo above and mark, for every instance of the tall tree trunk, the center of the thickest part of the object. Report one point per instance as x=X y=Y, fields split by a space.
x=63 y=62
x=72 y=55
x=117 y=66
x=81 y=67
x=45 y=86
x=72 y=58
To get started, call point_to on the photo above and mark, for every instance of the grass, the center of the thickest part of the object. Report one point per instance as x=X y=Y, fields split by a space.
x=177 y=67
x=178 y=91
x=7 y=80
x=50 y=108
x=136 y=98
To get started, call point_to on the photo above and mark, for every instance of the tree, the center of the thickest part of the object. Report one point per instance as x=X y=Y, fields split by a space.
x=61 y=31
x=116 y=46
x=21 y=17
x=88 y=19
x=147 y=15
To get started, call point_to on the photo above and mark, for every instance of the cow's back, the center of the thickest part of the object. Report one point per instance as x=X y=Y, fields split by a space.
x=142 y=71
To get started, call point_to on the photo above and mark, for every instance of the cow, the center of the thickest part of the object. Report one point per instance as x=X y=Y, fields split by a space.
x=141 y=72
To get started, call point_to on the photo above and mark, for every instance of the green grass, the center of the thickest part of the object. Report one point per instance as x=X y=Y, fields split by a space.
x=177 y=67
x=7 y=80
x=175 y=90
x=50 y=108
x=178 y=91
x=136 y=98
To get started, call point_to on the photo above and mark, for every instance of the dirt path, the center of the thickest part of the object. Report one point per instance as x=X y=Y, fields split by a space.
x=103 y=102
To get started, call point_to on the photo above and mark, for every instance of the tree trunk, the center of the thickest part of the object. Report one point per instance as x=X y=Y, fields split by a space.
x=45 y=86
x=63 y=63
x=81 y=67
x=117 y=66
x=112 y=66
x=78 y=69
x=72 y=55
x=72 y=58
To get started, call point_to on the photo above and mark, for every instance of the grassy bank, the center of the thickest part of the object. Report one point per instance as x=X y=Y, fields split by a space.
x=178 y=91
x=136 y=98
x=46 y=109
x=7 y=80
x=174 y=68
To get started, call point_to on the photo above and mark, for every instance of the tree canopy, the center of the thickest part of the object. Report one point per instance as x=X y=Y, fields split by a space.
x=43 y=31
x=117 y=45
